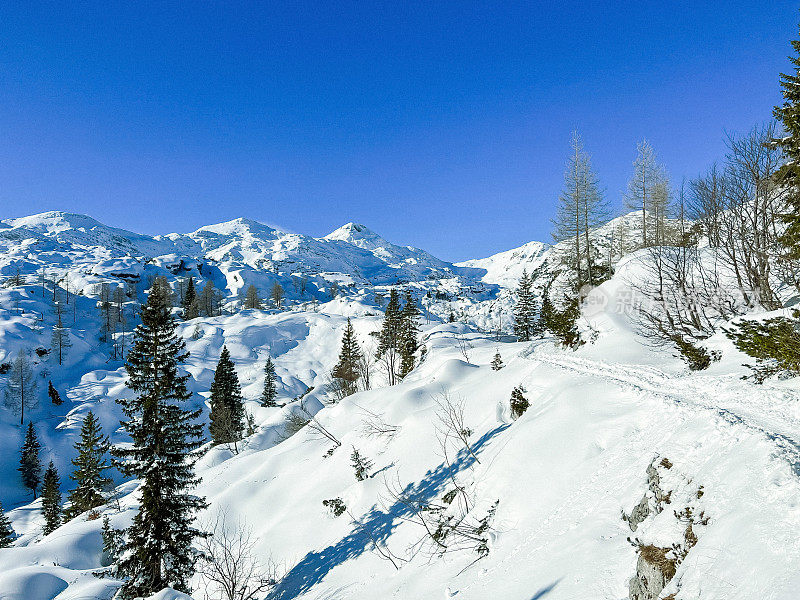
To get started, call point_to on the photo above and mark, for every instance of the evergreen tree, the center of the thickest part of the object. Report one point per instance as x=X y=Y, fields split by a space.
x=191 y=305
x=270 y=392
x=497 y=362
x=30 y=467
x=227 y=405
x=277 y=294
x=361 y=465
x=51 y=499
x=158 y=549
x=389 y=336
x=7 y=535
x=20 y=392
x=55 y=397
x=90 y=465
x=408 y=343
x=112 y=544
x=252 y=300
x=519 y=404
x=789 y=116
x=346 y=373
x=525 y=309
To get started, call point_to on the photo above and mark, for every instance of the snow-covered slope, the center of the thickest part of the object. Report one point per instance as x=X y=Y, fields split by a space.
x=601 y=421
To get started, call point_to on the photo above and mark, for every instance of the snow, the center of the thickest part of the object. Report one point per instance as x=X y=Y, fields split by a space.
x=563 y=473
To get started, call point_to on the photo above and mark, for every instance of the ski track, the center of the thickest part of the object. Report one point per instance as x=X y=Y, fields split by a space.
x=683 y=392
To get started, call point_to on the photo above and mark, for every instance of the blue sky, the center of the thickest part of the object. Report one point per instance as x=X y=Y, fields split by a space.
x=443 y=125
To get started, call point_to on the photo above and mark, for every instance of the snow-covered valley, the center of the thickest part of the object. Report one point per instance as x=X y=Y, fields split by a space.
x=616 y=425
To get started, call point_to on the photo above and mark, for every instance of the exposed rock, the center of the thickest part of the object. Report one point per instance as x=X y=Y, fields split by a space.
x=640 y=512
x=654 y=570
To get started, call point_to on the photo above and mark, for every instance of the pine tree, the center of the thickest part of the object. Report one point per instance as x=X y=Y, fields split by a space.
x=251 y=299
x=497 y=362
x=112 y=544
x=345 y=373
x=227 y=407
x=158 y=550
x=270 y=392
x=789 y=116
x=52 y=392
x=51 y=499
x=191 y=305
x=277 y=294
x=30 y=467
x=408 y=343
x=20 y=392
x=90 y=465
x=7 y=535
x=525 y=309
x=389 y=336
x=361 y=465
x=60 y=342
x=519 y=404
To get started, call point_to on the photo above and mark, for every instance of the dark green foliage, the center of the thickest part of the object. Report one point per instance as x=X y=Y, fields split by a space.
x=407 y=343
x=519 y=403
x=361 y=465
x=335 y=505
x=561 y=323
x=30 y=467
x=158 y=549
x=789 y=116
x=452 y=317
x=7 y=535
x=227 y=405
x=697 y=357
x=525 y=310
x=112 y=543
x=51 y=499
x=270 y=392
x=774 y=343
x=55 y=397
x=191 y=303
x=389 y=337
x=90 y=465
x=346 y=372
x=497 y=362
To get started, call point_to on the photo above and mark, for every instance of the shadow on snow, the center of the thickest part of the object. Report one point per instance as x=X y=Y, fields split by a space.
x=313 y=568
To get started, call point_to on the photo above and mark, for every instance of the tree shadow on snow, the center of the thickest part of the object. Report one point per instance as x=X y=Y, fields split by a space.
x=545 y=590
x=313 y=568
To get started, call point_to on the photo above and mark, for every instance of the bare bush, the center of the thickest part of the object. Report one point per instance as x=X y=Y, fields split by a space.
x=230 y=568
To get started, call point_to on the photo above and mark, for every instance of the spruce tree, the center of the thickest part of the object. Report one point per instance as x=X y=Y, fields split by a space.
x=191 y=307
x=789 y=116
x=408 y=343
x=519 y=403
x=52 y=392
x=30 y=467
x=497 y=362
x=158 y=549
x=361 y=465
x=346 y=373
x=524 y=310
x=389 y=336
x=90 y=466
x=7 y=535
x=227 y=405
x=270 y=392
x=51 y=499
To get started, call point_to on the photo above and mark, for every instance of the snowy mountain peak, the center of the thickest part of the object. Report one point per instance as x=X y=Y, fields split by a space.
x=354 y=232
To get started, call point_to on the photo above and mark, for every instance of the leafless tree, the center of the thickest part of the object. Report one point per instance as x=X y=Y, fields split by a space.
x=464 y=346
x=451 y=423
x=230 y=568
x=300 y=417
x=375 y=426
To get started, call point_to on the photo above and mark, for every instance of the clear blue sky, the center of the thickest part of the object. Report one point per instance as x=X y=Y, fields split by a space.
x=443 y=125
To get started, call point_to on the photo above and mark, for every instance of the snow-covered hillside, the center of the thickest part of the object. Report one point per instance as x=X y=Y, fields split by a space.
x=611 y=424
